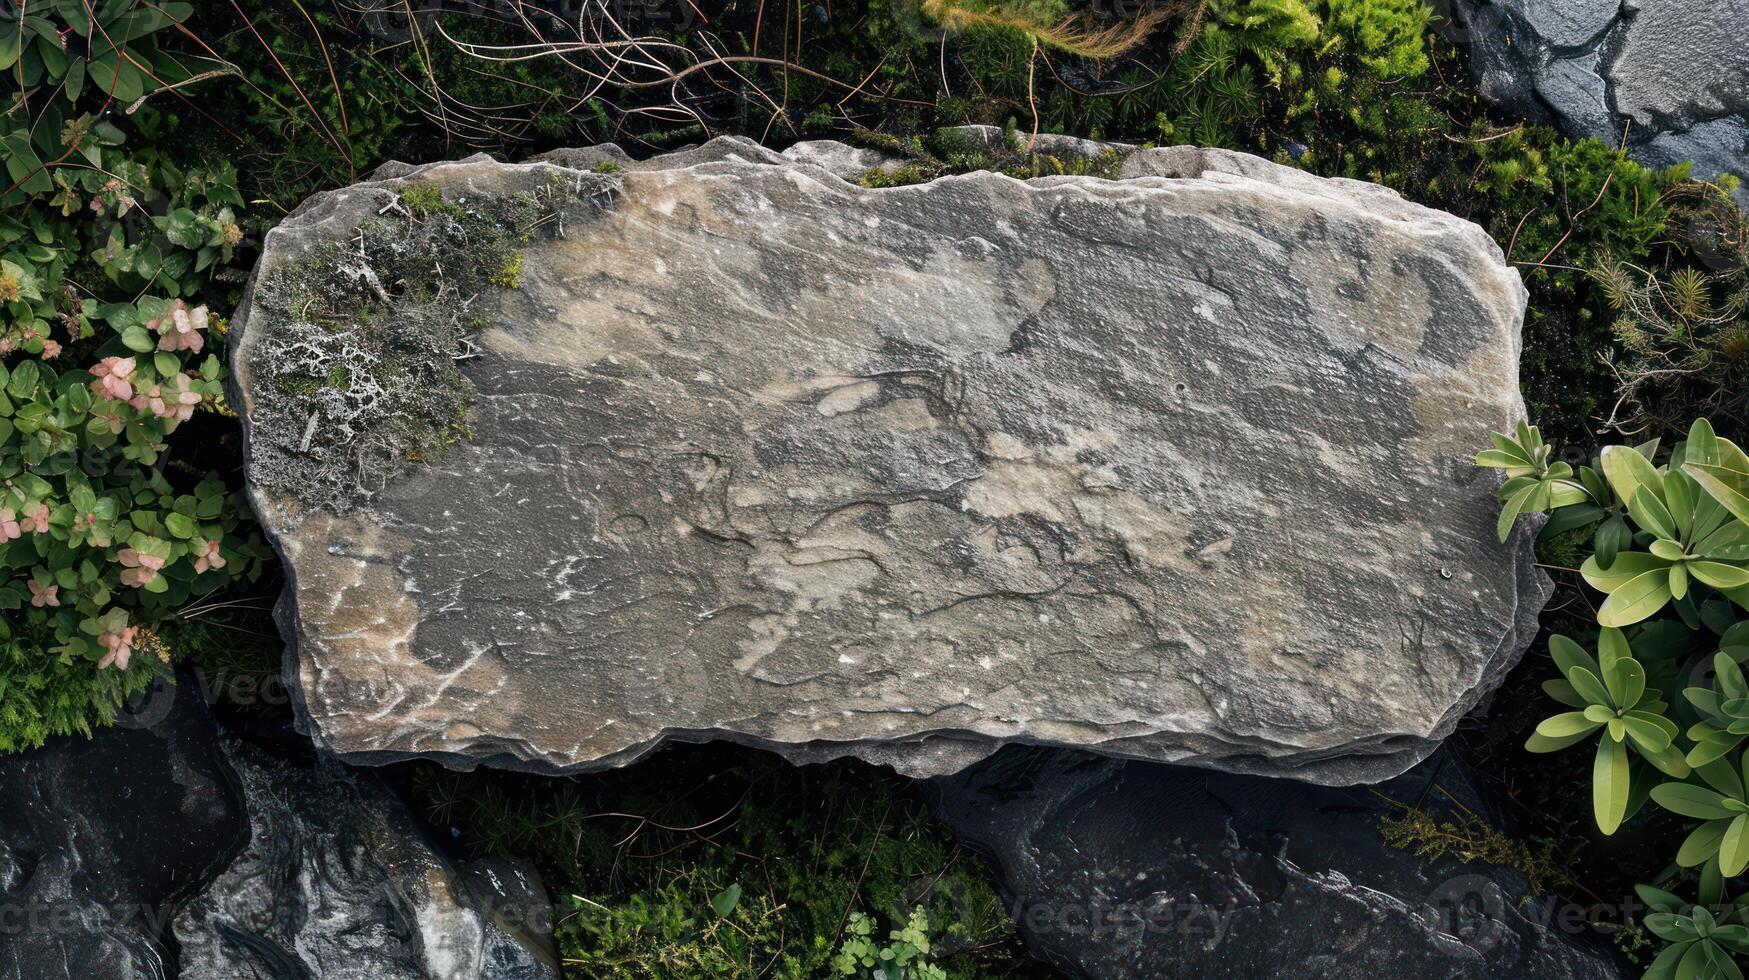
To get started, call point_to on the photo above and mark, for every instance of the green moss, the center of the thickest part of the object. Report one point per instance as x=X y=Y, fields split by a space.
x=43 y=695
x=427 y=199
x=777 y=860
x=297 y=384
x=365 y=382
x=510 y=276
x=897 y=177
x=607 y=167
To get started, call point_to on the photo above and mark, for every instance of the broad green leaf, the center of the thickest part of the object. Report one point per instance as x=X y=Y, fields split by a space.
x=1730 y=542
x=1609 y=785
x=1669 y=761
x=1627 y=471
x=1712 y=748
x=1723 y=485
x=1703 y=444
x=1626 y=681
x=1507 y=447
x=1701 y=843
x=1691 y=801
x=1567 y=518
x=725 y=901
x=1680 y=498
x=1719 y=575
x=1667 y=549
x=1734 y=847
x=1560 y=690
x=180 y=526
x=1722 y=776
x=1611 y=537
x=1722 y=962
x=1664 y=965
x=1627 y=566
x=1542 y=743
x=1510 y=510
x=1568 y=654
x=1696 y=964
x=1565 y=493
x=1729 y=676
x=1567 y=723
x=1703 y=698
x=1650 y=738
x=1731 y=457
x=1589 y=686
x=1637 y=599
x=1658 y=899
x=1650 y=513
x=1670 y=926
x=137 y=339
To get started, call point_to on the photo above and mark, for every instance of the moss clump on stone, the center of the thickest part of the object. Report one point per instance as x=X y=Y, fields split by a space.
x=956 y=151
x=510 y=276
x=356 y=372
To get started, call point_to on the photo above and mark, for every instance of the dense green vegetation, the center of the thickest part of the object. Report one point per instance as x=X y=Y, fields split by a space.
x=1663 y=699
x=732 y=863
x=149 y=145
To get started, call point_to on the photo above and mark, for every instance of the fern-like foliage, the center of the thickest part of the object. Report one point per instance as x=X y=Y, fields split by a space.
x=44 y=696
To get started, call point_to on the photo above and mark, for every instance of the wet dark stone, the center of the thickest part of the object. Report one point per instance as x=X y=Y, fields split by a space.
x=1130 y=870
x=100 y=840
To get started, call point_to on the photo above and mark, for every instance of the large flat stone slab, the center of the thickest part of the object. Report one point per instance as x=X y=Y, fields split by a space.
x=1173 y=466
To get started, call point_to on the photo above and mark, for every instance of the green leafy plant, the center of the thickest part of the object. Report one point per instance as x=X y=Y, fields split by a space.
x=1677 y=545
x=1688 y=524
x=757 y=868
x=1724 y=707
x=1724 y=837
x=1533 y=484
x=1688 y=514
x=902 y=957
x=105 y=530
x=1613 y=700
x=1700 y=942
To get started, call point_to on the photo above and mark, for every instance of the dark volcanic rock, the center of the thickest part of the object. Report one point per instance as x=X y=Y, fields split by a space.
x=1672 y=75
x=100 y=838
x=338 y=883
x=1176 y=465
x=1136 y=871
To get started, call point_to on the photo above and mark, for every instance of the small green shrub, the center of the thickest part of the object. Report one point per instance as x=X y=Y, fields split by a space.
x=1671 y=556
x=901 y=957
x=104 y=528
x=44 y=696
x=724 y=862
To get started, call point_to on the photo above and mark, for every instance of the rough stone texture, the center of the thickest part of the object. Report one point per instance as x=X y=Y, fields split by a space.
x=1133 y=871
x=338 y=883
x=1671 y=74
x=1175 y=466
x=101 y=838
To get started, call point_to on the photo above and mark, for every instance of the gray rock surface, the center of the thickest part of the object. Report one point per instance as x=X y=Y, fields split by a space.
x=1174 y=466
x=337 y=882
x=1672 y=75
x=101 y=838
x=1134 y=871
